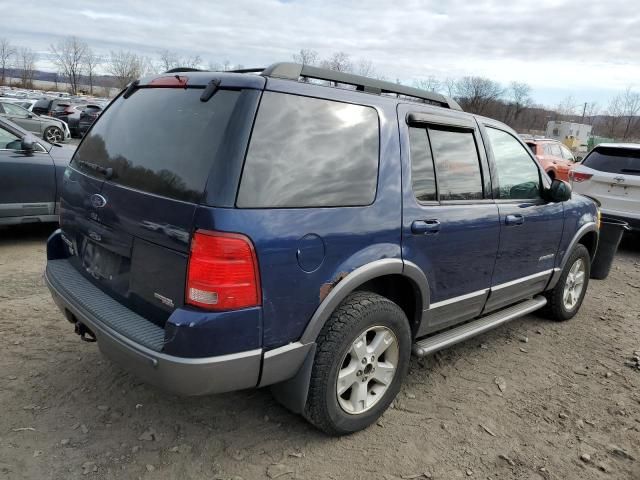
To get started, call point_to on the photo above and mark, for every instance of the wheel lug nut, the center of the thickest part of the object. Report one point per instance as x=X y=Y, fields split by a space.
x=373 y=358
x=364 y=361
x=359 y=373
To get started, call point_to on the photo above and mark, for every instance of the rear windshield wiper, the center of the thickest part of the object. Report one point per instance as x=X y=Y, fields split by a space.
x=107 y=172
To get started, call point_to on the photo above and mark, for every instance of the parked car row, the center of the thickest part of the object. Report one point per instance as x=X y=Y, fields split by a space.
x=78 y=113
x=47 y=127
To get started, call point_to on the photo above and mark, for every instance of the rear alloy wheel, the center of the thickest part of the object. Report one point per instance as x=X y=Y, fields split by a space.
x=53 y=135
x=362 y=357
x=367 y=370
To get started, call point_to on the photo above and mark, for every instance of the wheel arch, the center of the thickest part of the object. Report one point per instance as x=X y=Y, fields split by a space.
x=379 y=275
x=401 y=282
x=586 y=235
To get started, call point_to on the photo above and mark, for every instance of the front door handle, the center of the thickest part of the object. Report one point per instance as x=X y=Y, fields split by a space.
x=516 y=219
x=425 y=227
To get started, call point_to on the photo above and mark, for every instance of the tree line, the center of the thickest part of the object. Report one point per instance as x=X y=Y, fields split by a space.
x=77 y=64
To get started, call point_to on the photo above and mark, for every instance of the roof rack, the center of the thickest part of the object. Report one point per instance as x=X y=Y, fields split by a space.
x=293 y=71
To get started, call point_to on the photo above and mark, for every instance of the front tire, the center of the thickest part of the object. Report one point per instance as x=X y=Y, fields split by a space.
x=362 y=357
x=564 y=300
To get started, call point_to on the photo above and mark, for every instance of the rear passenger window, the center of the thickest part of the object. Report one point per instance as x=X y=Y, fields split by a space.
x=518 y=175
x=457 y=164
x=308 y=152
x=423 y=176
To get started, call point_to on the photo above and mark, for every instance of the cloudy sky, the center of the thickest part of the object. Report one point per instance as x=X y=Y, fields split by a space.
x=587 y=48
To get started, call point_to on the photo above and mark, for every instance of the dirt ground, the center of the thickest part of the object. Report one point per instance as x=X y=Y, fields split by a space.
x=570 y=408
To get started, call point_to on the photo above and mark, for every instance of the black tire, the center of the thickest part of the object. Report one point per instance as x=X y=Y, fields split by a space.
x=555 y=308
x=357 y=313
x=53 y=132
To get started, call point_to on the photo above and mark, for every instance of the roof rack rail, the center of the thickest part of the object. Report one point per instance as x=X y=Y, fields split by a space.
x=293 y=71
x=183 y=69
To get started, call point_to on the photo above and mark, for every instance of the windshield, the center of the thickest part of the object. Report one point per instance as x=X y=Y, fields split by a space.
x=159 y=140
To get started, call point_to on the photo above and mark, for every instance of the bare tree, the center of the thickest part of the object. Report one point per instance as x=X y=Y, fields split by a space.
x=631 y=107
x=27 y=64
x=430 y=83
x=91 y=62
x=170 y=59
x=449 y=86
x=518 y=99
x=591 y=109
x=126 y=66
x=7 y=51
x=306 y=57
x=69 y=56
x=365 y=68
x=475 y=93
x=339 y=61
x=567 y=108
x=614 y=114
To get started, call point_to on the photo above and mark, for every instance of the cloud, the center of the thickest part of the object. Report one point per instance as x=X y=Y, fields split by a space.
x=547 y=43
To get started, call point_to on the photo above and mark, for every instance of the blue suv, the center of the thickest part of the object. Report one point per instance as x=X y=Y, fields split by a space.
x=307 y=230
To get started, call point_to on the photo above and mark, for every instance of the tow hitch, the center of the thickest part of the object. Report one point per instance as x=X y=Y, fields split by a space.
x=84 y=332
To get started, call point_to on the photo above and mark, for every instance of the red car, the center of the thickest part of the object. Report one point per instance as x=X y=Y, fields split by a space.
x=556 y=159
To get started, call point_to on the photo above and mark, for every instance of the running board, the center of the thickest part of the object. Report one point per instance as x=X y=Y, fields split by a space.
x=450 y=337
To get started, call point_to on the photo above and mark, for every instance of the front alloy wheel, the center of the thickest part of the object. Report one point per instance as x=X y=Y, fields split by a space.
x=574 y=284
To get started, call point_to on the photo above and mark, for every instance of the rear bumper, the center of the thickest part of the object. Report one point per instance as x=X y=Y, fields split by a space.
x=184 y=376
x=139 y=346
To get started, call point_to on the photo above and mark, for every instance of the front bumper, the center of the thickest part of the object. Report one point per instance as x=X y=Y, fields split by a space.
x=133 y=345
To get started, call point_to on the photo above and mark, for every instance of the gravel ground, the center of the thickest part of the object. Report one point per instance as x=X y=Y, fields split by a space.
x=531 y=400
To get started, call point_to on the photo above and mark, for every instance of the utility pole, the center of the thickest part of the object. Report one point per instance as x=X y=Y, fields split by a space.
x=584 y=110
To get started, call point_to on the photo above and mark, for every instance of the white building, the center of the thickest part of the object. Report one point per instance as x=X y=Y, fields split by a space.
x=573 y=135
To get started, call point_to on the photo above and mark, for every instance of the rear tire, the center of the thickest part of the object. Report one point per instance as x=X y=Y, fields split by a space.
x=53 y=135
x=362 y=357
x=564 y=300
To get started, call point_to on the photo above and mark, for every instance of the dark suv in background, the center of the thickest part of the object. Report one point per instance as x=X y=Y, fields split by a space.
x=223 y=231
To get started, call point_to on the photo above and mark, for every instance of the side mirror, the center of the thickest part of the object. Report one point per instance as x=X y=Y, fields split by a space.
x=579 y=158
x=27 y=146
x=29 y=115
x=558 y=192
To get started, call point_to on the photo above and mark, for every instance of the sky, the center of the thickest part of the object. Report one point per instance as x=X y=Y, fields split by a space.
x=588 y=49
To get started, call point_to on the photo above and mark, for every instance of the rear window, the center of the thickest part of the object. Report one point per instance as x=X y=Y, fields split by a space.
x=614 y=160
x=159 y=140
x=308 y=152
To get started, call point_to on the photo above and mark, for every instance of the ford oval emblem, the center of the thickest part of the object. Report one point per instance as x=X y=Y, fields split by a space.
x=98 y=201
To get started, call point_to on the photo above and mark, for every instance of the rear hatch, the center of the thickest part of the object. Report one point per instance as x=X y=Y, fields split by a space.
x=133 y=186
x=615 y=179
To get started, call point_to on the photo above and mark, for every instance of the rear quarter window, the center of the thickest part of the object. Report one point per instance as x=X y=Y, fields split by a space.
x=309 y=152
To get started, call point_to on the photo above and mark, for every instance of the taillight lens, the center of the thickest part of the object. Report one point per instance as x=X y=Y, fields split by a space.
x=223 y=272
x=579 y=177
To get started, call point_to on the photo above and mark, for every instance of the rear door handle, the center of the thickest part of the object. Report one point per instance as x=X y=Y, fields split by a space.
x=425 y=227
x=516 y=219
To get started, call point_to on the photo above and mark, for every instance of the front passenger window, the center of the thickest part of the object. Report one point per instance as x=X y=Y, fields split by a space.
x=518 y=175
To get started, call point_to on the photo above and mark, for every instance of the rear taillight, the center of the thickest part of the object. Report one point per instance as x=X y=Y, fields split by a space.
x=223 y=272
x=579 y=177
